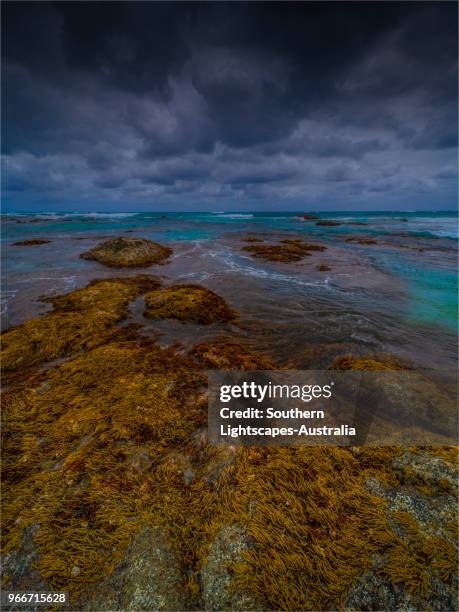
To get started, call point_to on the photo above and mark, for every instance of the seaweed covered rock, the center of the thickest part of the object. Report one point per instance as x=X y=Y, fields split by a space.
x=97 y=459
x=373 y=363
x=81 y=319
x=128 y=252
x=252 y=239
x=31 y=242
x=289 y=250
x=421 y=502
x=361 y=240
x=188 y=303
x=111 y=492
x=309 y=217
x=82 y=461
x=226 y=354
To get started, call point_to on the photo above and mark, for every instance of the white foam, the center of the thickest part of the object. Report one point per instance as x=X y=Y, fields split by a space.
x=236 y=215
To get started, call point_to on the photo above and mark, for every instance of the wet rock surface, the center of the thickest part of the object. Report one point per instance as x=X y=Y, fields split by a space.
x=226 y=550
x=148 y=578
x=420 y=510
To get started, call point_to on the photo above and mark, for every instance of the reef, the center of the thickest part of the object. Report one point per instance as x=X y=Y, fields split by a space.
x=31 y=242
x=187 y=303
x=252 y=239
x=309 y=217
x=128 y=252
x=289 y=250
x=81 y=319
x=323 y=268
x=326 y=223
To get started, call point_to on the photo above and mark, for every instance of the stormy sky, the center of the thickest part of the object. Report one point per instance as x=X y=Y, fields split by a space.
x=229 y=106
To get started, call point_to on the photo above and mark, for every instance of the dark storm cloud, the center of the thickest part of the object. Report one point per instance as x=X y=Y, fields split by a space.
x=132 y=103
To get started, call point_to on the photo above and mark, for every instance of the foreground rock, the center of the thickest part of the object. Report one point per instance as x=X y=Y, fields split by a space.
x=188 y=303
x=128 y=253
x=422 y=509
x=226 y=550
x=111 y=492
x=148 y=578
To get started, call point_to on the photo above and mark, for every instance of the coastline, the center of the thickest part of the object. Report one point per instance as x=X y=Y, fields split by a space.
x=106 y=463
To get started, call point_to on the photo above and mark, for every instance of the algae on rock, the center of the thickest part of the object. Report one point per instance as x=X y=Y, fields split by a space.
x=289 y=250
x=128 y=252
x=84 y=318
x=188 y=303
x=228 y=354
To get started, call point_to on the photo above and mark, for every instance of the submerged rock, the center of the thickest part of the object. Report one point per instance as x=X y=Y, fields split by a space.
x=326 y=223
x=378 y=362
x=252 y=239
x=361 y=240
x=323 y=268
x=309 y=217
x=128 y=252
x=190 y=303
x=230 y=355
x=32 y=242
x=289 y=250
x=403 y=394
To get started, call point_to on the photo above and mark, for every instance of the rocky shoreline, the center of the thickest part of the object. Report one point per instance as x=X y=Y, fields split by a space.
x=112 y=493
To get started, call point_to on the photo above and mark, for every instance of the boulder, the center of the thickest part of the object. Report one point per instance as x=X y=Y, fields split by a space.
x=128 y=252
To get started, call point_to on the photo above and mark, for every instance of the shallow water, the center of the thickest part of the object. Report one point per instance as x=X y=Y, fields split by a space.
x=398 y=296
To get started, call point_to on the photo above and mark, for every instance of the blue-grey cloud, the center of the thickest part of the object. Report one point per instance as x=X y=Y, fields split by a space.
x=135 y=104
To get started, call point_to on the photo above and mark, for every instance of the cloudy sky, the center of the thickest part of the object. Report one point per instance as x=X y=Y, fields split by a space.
x=229 y=106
